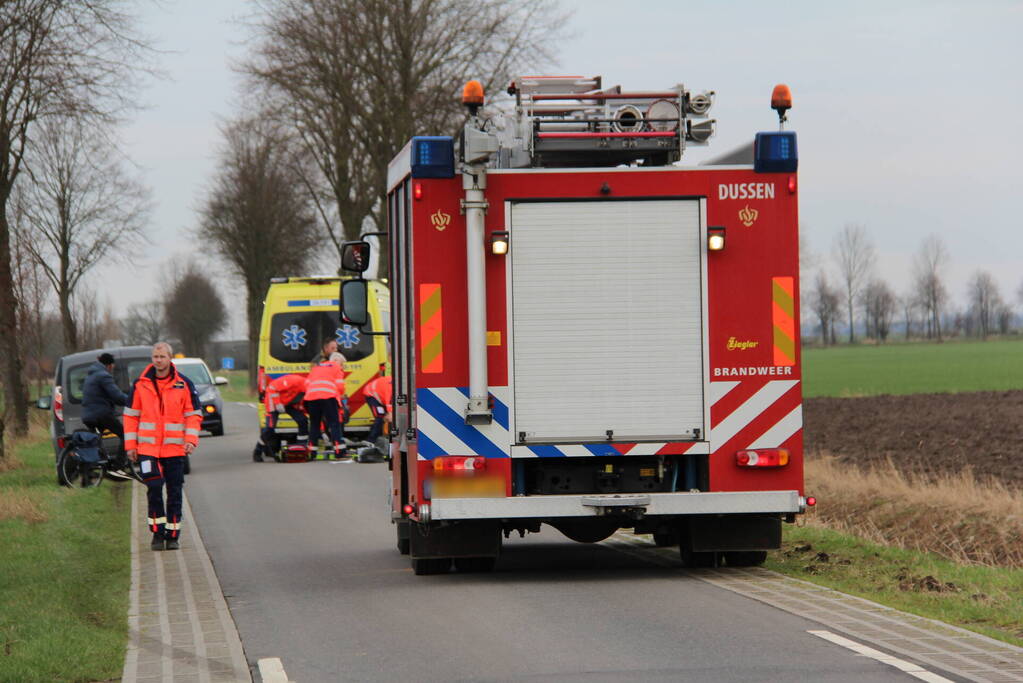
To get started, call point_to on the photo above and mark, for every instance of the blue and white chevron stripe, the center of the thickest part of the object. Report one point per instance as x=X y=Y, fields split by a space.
x=440 y=421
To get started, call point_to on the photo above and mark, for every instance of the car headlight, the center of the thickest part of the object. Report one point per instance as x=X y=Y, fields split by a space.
x=208 y=395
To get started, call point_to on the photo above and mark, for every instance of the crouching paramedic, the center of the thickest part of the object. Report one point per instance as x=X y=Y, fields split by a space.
x=378 y=394
x=284 y=394
x=325 y=389
x=161 y=427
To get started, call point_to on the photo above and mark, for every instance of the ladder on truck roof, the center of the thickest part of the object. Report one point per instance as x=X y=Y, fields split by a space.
x=572 y=121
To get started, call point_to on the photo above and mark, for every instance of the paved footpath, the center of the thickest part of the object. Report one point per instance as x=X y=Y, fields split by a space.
x=179 y=626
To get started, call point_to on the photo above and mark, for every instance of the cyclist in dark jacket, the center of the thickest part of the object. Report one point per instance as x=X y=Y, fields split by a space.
x=99 y=396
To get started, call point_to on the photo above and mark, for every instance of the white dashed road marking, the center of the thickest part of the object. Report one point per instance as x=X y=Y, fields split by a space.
x=900 y=664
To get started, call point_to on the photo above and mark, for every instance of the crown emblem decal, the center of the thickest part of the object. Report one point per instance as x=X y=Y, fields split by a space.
x=440 y=220
x=748 y=216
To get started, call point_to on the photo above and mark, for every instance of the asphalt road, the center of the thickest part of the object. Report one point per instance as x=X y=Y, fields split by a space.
x=306 y=556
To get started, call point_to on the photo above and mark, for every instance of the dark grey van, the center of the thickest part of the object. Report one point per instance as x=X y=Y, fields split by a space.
x=65 y=405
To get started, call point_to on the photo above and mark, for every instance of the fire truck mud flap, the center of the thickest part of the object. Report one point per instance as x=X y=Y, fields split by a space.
x=454 y=540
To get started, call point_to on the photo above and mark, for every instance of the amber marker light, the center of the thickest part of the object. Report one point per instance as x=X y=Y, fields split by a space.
x=472 y=96
x=781 y=101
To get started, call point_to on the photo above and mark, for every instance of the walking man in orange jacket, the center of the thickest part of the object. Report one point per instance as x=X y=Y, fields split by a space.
x=161 y=428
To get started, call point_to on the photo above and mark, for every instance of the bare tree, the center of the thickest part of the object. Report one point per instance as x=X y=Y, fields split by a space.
x=826 y=302
x=909 y=305
x=854 y=255
x=61 y=58
x=928 y=274
x=97 y=326
x=32 y=292
x=143 y=324
x=82 y=209
x=985 y=301
x=255 y=215
x=879 y=304
x=194 y=311
x=357 y=78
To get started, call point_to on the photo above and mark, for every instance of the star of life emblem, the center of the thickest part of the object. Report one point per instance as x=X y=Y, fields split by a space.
x=347 y=336
x=294 y=337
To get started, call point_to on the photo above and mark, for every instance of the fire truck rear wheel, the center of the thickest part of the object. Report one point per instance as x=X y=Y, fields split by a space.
x=431 y=565
x=745 y=558
x=475 y=564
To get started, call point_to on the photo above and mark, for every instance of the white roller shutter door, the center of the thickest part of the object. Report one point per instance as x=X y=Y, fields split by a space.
x=606 y=320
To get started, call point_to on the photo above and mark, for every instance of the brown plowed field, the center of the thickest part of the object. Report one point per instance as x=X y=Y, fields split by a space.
x=934 y=433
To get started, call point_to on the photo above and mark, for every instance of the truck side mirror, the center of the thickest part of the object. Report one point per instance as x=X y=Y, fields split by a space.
x=355 y=256
x=353 y=302
x=43 y=402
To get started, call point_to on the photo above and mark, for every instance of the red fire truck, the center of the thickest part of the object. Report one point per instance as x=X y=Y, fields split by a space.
x=587 y=334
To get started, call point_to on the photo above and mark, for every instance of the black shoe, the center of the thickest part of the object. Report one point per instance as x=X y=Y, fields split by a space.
x=173 y=545
x=157 y=543
x=257 y=454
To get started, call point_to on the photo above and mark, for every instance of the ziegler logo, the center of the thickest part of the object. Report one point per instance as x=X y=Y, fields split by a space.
x=440 y=220
x=748 y=216
x=736 y=345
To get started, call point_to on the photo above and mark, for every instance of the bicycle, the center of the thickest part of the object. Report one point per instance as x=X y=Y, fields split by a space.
x=84 y=462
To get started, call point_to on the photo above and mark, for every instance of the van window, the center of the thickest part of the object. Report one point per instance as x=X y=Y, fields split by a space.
x=295 y=337
x=135 y=368
x=195 y=372
x=76 y=380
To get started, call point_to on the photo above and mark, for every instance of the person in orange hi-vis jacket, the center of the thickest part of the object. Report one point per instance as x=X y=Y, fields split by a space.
x=378 y=393
x=161 y=428
x=325 y=389
x=284 y=394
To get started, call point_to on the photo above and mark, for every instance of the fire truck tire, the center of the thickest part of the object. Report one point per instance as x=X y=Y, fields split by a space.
x=404 y=542
x=431 y=565
x=475 y=564
x=745 y=558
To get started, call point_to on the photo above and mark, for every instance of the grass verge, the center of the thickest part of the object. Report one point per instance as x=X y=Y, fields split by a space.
x=988 y=600
x=945 y=547
x=962 y=518
x=65 y=572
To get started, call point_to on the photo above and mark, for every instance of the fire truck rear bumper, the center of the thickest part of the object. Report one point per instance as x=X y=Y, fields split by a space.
x=640 y=504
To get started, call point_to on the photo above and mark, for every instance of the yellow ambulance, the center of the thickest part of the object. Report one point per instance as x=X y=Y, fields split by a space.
x=299 y=313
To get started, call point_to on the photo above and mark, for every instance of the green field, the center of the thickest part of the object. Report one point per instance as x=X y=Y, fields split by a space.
x=913 y=368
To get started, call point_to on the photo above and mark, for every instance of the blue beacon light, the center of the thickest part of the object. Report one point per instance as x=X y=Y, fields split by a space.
x=433 y=156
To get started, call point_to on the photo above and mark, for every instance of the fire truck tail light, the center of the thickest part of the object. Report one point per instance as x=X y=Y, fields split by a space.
x=408 y=509
x=810 y=501
x=457 y=464
x=433 y=156
x=417 y=191
x=763 y=457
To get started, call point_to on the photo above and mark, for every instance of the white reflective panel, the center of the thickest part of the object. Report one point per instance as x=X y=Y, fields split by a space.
x=606 y=320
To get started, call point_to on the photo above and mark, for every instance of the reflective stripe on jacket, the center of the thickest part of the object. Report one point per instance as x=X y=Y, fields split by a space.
x=325 y=380
x=163 y=414
x=283 y=391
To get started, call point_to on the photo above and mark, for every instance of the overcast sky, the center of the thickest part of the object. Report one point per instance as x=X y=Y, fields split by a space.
x=907 y=115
